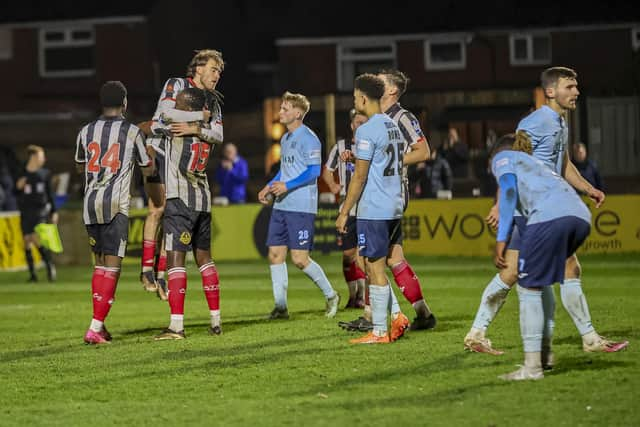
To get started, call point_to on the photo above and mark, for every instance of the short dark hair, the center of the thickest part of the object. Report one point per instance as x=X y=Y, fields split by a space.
x=370 y=84
x=550 y=76
x=112 y=94
x=192 y=98
x=397 y=78
x=505 y=142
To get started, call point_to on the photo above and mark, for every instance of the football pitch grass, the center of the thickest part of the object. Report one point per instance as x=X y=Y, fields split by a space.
x=303 y=372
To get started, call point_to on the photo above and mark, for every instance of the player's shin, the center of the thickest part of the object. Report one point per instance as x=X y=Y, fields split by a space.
x=104 y=289
x=549 y=308
x=177 y=292
x=316 y=274
x=211 y=287
x=280 y=283
x=493 y=298
x=531 y=325
x=575 y=303
x=409 y=284
x=379 y=296
x=148 y=254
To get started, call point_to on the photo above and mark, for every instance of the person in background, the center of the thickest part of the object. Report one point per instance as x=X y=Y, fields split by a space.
x=457 y=154
x=432 y=176
x=586 y=166
x=232 y=175
x=36 y=204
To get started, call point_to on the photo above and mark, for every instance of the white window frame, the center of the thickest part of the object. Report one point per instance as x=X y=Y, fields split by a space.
x=635 y=38
x=530 y=60
x=343 y=56
x=460 y=39
x=67 y=41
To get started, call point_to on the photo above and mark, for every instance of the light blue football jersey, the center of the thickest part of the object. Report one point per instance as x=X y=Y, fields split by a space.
x=549 y=135
x=543 y=195
x=379 y=140
x=299 y=149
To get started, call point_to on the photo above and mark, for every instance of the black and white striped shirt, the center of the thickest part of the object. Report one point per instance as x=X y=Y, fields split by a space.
x=107 y=147
x=345 y=169
x=412 y=133
x=166 y=113
x=186 y=177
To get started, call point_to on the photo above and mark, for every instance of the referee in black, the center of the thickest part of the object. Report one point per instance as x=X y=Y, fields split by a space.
x=36 y=204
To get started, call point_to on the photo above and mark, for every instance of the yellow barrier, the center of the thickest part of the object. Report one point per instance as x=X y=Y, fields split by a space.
x=12 y=256
x=431 y=227
x=456 y=227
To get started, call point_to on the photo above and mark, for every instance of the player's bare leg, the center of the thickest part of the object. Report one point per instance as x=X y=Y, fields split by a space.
x=575 y=303
x=301 y=259
x=156 y=193
x=211 y=287
x=409 y=285
x=493 y=298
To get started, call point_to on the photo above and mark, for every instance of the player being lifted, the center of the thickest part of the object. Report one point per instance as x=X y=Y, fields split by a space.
x=543 y=133
x=376 y=187
x=353 y=274
x=296 y=203
x=204 y=72
x=187 y=218
x=105 y=151
x=415 y=149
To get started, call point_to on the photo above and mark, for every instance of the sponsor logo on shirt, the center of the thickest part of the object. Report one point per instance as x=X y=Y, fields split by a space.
x=314 y=154
x=416 y=126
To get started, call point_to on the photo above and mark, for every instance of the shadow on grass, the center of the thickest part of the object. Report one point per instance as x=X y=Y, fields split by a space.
x=586 y=362
x=612 y=334
x=227 y=325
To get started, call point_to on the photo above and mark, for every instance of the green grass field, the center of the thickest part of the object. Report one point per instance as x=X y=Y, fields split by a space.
x=303 y=371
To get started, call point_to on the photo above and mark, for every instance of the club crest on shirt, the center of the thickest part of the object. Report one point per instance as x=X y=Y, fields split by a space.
x=185 y=238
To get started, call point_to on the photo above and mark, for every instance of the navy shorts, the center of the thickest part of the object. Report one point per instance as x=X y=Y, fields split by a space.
x=158 y=176
x=110 y=238
x=515 y=240
x=376 y=236
x=185 y=228
x=349 y=240
x=546 y=247
x=291 y=229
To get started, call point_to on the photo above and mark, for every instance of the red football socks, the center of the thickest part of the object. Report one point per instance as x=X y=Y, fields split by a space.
x=407 y=281
x=211 y=285
x=103 y=287
x=177 y=289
